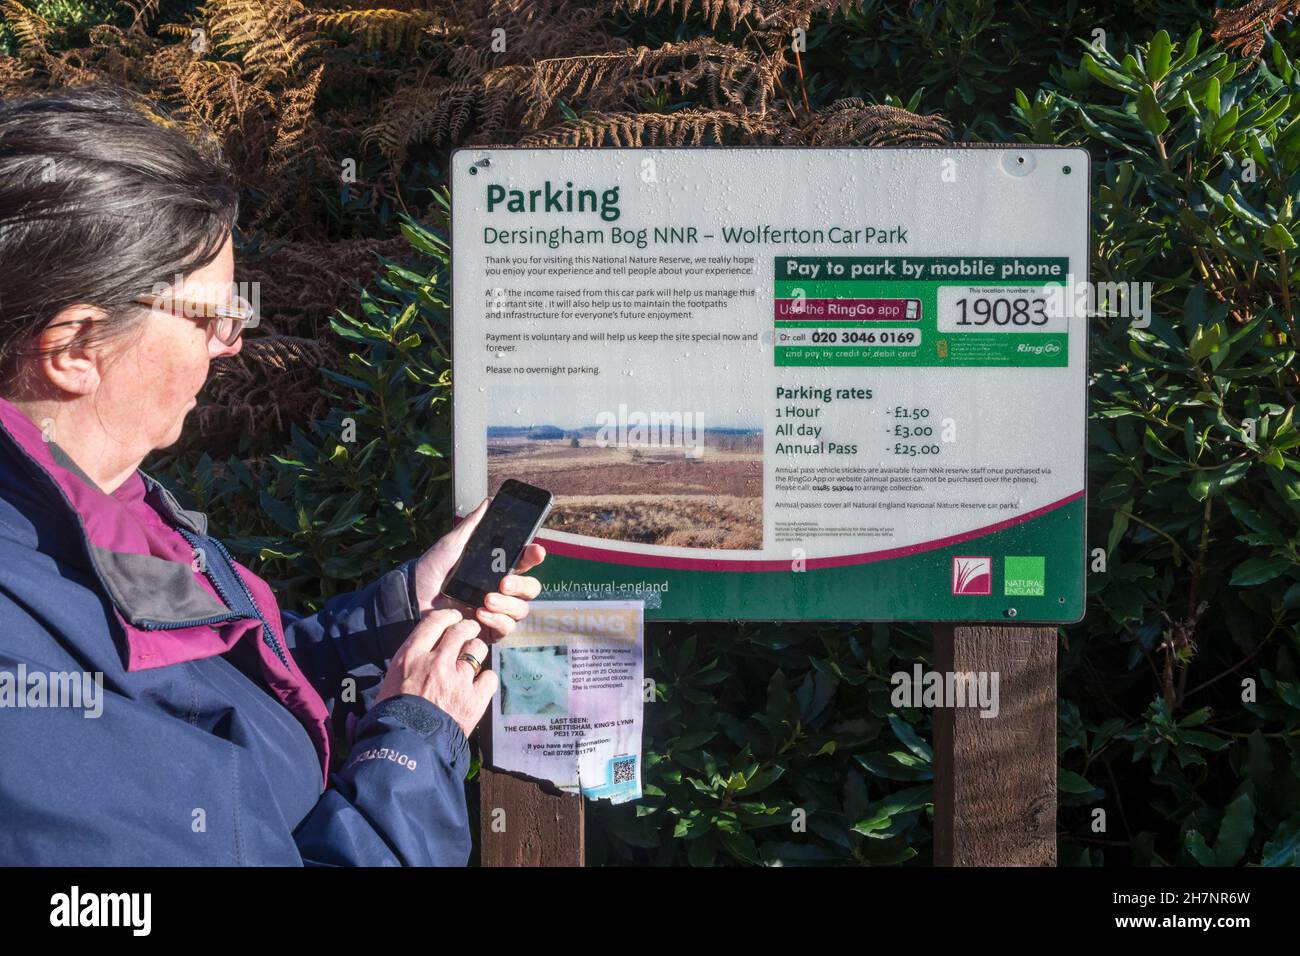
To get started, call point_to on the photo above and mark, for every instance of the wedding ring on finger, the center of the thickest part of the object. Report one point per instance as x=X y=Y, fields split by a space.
x=471 y=660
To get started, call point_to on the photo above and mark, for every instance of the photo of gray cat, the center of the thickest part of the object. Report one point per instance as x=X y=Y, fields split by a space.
x=534 y=680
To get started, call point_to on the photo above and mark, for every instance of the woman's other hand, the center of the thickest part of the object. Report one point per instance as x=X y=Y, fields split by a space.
x=505 y=607
x=428 y=665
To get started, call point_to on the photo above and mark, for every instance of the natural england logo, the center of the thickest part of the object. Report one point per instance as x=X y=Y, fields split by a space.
x=1024 y=576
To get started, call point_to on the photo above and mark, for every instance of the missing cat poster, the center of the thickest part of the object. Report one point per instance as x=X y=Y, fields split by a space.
x=570 y=705
x=782 y=383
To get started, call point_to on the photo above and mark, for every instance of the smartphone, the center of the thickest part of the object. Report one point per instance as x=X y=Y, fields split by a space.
x=514 y=516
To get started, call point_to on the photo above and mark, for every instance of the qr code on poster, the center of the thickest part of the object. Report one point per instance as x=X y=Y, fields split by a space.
x=624 y=770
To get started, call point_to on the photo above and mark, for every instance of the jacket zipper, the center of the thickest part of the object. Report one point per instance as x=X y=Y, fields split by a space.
x=268 y=635
x=148 y=625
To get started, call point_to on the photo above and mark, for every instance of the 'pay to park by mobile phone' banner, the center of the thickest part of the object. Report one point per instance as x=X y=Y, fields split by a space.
x=781 y=384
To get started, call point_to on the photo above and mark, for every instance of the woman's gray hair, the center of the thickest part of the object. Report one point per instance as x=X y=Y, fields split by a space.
x=102 y=198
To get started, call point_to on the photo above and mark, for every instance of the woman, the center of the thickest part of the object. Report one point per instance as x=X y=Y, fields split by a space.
x=156 y=707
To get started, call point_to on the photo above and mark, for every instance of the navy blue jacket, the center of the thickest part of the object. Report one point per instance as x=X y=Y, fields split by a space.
x=201 y=753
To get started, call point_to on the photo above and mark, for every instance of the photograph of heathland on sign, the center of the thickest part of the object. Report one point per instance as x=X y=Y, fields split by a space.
x=664 y=478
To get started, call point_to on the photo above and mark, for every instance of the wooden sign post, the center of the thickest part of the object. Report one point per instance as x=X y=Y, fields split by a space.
x=995 y=778
x=526 y=822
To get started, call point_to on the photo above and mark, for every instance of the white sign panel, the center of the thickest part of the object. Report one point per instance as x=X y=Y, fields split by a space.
x=780 y=383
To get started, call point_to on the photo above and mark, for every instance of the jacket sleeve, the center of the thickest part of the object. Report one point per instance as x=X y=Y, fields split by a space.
x=353 y=635
x=399 y=798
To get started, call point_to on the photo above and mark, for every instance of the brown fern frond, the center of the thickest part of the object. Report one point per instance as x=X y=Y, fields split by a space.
x=531 y=30
x=176 y=30
x=274 y=39
x=15 y=74
x=500 y=94
x=302 y=282
x=710 y=9
x=211 y=98
x=1243 y=29
x=434 y=110
x=570 y=76
x=117 y=53
x=514 y=79
x=70 y=68
x=607 y=80
x=761 y=14
x=468 y=61
x=386 y=29
x=31 y=29
x=783 y=18
x=273 y=381
x=332 y=6
x=292 y=142
x=851 y=122
x=294 y=122
x=692 y=127
x=144 y=11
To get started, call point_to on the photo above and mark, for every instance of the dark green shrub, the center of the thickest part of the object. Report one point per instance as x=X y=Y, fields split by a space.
x=1194 y=479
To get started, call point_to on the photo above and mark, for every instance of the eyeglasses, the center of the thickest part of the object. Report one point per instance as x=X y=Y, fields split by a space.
x=228 y=321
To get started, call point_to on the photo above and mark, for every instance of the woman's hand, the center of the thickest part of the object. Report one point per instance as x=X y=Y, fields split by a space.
x=505 y=607
x=428 y=666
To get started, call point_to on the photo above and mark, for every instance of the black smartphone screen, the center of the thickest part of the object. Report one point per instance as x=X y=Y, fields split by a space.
x=514 y=516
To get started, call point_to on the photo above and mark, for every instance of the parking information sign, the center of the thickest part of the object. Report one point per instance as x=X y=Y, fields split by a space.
x=782 y=384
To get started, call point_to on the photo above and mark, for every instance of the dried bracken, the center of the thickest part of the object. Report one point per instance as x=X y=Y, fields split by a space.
x=851 y=121
x=684 y=128
x=337 y=115
x=1243 y=29
x=273 y=382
